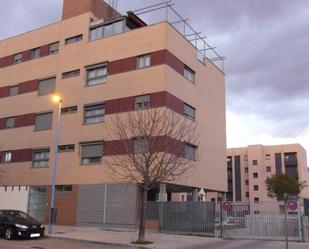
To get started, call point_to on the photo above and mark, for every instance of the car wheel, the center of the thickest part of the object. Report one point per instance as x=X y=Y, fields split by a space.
x=9 y=233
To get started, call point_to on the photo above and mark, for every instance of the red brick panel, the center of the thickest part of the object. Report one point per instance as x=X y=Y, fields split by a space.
x=44 y=50
x=117 y=147
x=2 y=123
x=27 y=55
x=120 y=105
x=158 y=57
x=29 y=86
x=174 y=103
x=25 y=120
x=24 y=155
x=6 y=61
x=4 y=92
x=121 y=66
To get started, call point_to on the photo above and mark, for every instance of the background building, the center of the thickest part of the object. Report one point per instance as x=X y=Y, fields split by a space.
x=101 y=63
x=248 y=168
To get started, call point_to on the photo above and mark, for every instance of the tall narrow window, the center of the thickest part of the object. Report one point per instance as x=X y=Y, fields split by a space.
x=43 y=121
x=189 y=73
x=18 y=58
x=189 y=111
x=142 y=102
x=7 y=157
x=10 y=122
x=91 y=153
x=47 y=86
x=35 y=53
x=94 y=113
x=143 y=61
x=53 y=48
x=40 y=158
x=255 y=175
x=96 y=75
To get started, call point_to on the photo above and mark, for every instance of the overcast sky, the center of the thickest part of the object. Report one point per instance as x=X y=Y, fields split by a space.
x=267 y=48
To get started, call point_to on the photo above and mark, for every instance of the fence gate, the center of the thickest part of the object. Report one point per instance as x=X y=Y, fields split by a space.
x=196 y=218
x=263 y=220
x=37 y=203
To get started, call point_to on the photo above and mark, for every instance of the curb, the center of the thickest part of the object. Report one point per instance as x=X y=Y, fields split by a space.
x=98 y=242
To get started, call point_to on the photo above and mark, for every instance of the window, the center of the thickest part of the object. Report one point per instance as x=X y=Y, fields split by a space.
x=246 y=170
x=255 y=175
x=43 y=121
x=18 y=58
x=256 y=199
x=268 y=169
x=106 y=30
x=267 y=157
x=91 y=153
x=254 y=162
x=246 y=157
x=189 y=111
x=66 y=148
x=256 y=187
x=71 y=74
x=141 y=145
x=142 y=102
x=73 y=39
x=190 y=151
x=63 y=188
x=10 y=122
x=247 y=194
x=143 y=61
x=247 y=182
x=7 y=157
x=35 y=53
x=96 y=75
x=53 y=48
x=40 y=158
x=94 y=113
x=229 y=159
x=189 y=74
x=13 y=91
x=47 y=86
x=68 y=110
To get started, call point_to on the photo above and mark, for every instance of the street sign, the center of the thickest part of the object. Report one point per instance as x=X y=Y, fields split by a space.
x=227 y=205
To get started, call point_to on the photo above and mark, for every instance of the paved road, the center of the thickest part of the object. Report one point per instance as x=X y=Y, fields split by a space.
x=48 y=243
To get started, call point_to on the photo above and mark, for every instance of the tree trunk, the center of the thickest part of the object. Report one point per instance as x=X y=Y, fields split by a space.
x=286 y=225
x=141 y=232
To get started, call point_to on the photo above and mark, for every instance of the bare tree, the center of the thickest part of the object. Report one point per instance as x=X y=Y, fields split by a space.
x=153 y=145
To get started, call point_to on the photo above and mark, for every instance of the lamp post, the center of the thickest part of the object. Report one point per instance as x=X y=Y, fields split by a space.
x=57 y=100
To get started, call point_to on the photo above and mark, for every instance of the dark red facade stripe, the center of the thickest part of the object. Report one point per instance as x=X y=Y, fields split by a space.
x=44 y=50
x=157 y=58
x=24 y=155
x=4 y=92
x=121 y=66
x=18 y=156
x=120 y=105
x=25 y=120
x=27 y=55
x=158 y=144
x=20 y=121
x=29 y=86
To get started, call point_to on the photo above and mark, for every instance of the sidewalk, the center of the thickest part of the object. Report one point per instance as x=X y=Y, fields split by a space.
x=124 y=237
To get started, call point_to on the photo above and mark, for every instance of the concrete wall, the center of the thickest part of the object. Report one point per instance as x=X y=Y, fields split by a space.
x=14 y=198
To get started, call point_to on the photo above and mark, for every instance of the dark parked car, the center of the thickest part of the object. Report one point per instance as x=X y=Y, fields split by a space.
x=17 y=224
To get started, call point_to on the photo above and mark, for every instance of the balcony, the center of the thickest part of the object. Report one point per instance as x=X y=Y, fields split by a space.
x=290 y=159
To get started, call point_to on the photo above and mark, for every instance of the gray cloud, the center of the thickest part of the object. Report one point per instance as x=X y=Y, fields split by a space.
x=266 y=43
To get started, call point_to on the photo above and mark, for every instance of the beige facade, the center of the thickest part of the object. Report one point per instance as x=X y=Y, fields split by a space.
x=206 y=95
x=248 y=168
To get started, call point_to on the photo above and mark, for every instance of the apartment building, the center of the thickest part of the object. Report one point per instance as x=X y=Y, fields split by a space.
x=248 y=168
x=101 y=63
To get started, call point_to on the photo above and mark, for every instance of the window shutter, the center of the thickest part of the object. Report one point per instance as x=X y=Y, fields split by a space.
x=47 y=86
x=43 y=121
x=92 y=150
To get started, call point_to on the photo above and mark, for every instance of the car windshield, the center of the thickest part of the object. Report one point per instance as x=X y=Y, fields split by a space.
x=17 y=215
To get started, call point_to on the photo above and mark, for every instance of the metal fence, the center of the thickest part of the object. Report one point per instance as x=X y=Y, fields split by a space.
x=262 y=220
x=196 y=218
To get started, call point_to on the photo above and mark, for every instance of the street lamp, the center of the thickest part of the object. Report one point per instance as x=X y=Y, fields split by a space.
x=57 y=100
